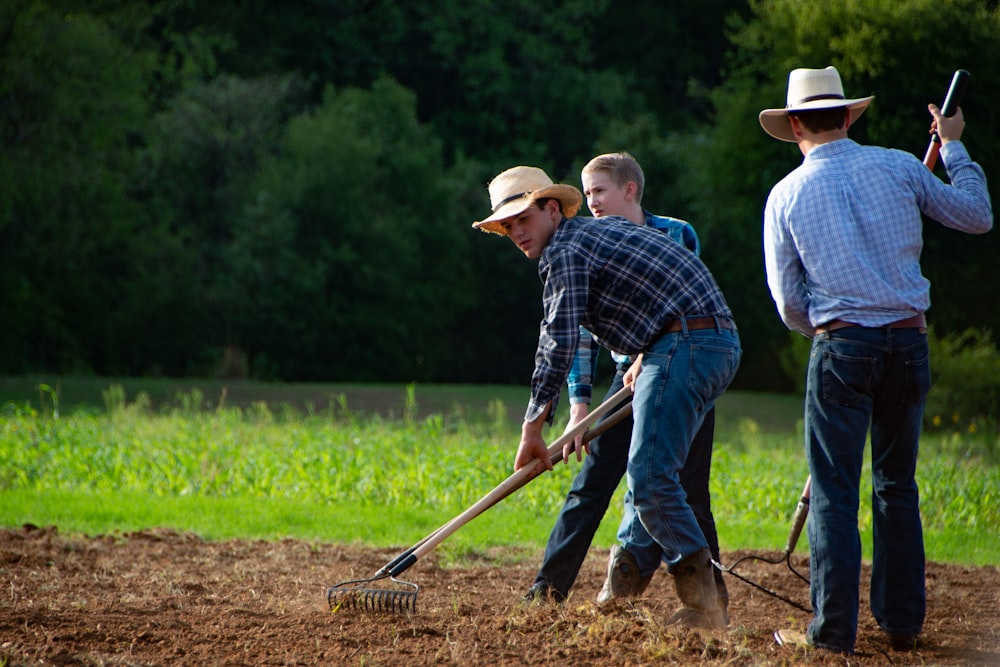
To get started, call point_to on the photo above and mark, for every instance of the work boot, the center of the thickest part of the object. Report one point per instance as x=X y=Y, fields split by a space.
x=624 y=580
x=902 y=642
x=543 y=591
x=694 y=580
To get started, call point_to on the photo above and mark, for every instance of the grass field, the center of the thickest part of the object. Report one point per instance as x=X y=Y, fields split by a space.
x=385 y=466
x=774 y=412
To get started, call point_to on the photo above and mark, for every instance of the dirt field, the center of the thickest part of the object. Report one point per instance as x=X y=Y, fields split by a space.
x=163 y=598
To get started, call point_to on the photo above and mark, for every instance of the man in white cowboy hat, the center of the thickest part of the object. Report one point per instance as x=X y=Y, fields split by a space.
x=842 y=242
x=638 y=292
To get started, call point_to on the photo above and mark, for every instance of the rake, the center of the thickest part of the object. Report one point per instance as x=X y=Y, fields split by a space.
x=798 y=521
x=384 y=592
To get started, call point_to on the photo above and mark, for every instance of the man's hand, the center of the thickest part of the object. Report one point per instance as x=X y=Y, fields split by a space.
x=577 y=413
x=947 y=128
x=532 y=445
x=633 y=373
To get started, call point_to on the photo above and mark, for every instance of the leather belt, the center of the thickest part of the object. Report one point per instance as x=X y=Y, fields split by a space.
x=697 y=323
x=914 y=322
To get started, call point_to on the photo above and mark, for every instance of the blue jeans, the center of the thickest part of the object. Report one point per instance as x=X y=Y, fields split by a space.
x=860 y=378
x=694 y=477
x=596 y=483
x=683 y=374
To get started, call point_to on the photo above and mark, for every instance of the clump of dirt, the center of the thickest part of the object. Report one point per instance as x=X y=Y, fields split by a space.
x=159 y=597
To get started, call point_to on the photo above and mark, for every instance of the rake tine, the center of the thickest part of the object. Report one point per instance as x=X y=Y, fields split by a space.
x=359 y=594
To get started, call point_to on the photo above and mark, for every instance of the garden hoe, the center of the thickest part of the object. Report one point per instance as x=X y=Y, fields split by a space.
x=384 y=592
x=798 y=521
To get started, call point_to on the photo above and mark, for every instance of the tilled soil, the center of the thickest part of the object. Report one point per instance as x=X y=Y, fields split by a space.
x=159 y=597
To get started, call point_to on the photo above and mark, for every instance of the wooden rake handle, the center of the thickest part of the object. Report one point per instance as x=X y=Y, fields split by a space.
x=514 y=482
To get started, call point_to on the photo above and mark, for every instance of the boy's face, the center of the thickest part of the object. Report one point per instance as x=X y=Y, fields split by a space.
x=604 y=196
x=532 y=230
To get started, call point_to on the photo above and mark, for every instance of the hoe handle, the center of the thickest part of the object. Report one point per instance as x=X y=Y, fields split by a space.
x=518 y=479
x=799 y=519
x=951 y=101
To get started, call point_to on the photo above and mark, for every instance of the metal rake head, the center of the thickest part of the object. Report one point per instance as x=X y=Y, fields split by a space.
x=359 y=595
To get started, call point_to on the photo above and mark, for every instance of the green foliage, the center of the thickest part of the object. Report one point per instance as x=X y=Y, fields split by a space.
x=794 y=360
x=78 y=95
x=223 y=188
x=73 y=94
x=204 y=151
x=335 y=476
x=965 y=396
x=362 y=209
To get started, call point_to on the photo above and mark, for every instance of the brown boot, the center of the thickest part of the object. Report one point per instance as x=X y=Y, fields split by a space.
x=694 y=580
x=623 y=580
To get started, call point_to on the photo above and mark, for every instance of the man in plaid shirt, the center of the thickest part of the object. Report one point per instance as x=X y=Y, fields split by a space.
x=639 y=293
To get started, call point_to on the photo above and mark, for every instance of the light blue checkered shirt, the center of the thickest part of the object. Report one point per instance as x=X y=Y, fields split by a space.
x=843 y=231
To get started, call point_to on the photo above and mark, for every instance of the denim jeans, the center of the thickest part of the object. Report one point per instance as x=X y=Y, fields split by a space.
x=860 y=378
x=694 y=478
x=596 y=483
x=683 y=374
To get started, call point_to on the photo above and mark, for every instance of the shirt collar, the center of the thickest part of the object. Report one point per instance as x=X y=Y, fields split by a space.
x=830 y=149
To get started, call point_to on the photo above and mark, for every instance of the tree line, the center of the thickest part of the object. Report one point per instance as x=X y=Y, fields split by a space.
x=286 y=192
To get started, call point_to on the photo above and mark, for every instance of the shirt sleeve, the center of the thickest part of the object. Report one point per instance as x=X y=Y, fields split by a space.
x=580 y=380
x=964 y=205
x=786 y=276
x=564 y=299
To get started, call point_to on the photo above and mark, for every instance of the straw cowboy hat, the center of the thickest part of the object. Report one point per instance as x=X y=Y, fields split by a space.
x=514 y=190
x=808 y=90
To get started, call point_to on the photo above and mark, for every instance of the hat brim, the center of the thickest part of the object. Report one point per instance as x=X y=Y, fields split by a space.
x=775 y=121
x=569 y=198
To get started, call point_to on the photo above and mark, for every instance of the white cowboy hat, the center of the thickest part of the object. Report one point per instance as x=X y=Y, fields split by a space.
x=810 y=89
x=514 y=190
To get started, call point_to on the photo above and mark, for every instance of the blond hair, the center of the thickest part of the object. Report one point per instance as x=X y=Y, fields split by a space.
x=622 y=168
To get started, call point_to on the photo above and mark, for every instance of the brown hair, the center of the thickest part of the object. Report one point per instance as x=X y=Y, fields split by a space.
x=540 y=203
x=822 y=120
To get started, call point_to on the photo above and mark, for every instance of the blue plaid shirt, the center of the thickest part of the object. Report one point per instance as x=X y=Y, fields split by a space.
x=622 y=282
x=581 y=372
x=843 y=232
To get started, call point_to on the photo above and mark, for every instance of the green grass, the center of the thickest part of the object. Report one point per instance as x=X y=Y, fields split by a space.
x=269 y=470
